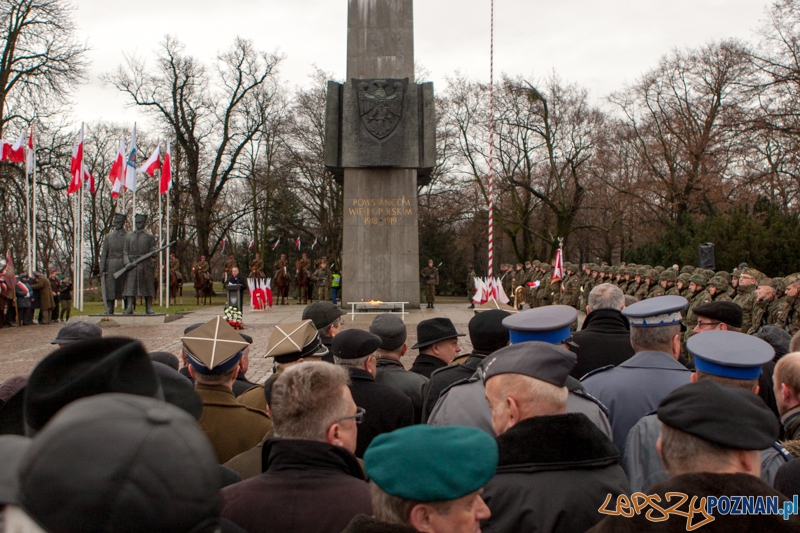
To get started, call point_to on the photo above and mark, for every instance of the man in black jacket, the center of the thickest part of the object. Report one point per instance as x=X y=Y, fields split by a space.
x=487 y=334
x=386 y=409
x=390 y=371
x=605 y=338
x=437 y=341
x=236 y=279
x=555 y=469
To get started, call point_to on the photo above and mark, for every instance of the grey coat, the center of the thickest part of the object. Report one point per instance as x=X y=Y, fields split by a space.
x=111 y=260
x=141 y=278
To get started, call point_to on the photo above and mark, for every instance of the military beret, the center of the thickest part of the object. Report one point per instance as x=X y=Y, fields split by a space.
x=355 y=344
x=214 y=347
x=729 y=354
x=431 y=464
x=77 y=331
x=536 y=359
x=322 y=313
x=655 y=312
x=667 y=275
x=727 y=312
x=391 y=329
x=296 y=340
x=487 y=332
x=548 y=324
x=778 y=338
x=731 y=417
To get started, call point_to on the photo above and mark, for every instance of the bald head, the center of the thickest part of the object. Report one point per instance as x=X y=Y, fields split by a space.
x=515 y=397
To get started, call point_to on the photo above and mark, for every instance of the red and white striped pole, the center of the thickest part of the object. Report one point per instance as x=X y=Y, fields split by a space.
x=491 y=141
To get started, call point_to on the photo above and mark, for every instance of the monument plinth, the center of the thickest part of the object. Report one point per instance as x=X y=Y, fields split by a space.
x=381 y=140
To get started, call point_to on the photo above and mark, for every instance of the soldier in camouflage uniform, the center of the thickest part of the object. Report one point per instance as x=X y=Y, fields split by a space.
x=430 y=278
x=635 y=283
x=682 y=284
x=544 y=296
x=644 y=285
x=699 y=296
x=746 y=295
x=765 y=294
x=322 y=278
x=789 y=318
x=536 y=275
x=779 y=302
x=718 y=289
x=668 y=279
x=471 y=275
x=572 y=288
x=734 y=283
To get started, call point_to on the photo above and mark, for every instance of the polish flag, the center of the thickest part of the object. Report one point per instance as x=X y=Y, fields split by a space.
x=276 y=243
x=153 y=163
x=130 y=167
x=297 y=243
x=223 y=244
x=252 y=244
x=5 y=148
x=558 y=267
x=76 y=166
x=30 y=160
x=118 y=166
x=16 y=153
x=87 y=176
x=116 y=188
x=166 y=172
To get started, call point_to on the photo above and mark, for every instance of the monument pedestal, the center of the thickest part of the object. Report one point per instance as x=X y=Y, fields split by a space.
x=380 y=248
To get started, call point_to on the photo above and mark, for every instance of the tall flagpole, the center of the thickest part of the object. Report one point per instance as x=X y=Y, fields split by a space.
x=169 y=275
x=80 y=241
x=75 y=276
x=491 y=143
x=28 y=257
x=33 y=213
x=160 y=254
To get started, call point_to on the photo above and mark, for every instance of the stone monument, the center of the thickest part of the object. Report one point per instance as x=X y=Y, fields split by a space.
x=111 y=260
x=140 y=280
x=380 y=140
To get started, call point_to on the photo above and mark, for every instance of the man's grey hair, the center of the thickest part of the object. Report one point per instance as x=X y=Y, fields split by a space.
x=656 y=339
x=397 y=510
x=307 y=399
x=683 y=453
x=606 y=296
x=354 y=363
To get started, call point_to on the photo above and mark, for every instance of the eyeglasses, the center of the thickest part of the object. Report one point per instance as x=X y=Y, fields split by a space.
x=358 y=417
x=705 y=324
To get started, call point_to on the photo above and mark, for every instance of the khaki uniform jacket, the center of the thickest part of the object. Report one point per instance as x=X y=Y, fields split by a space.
x=202 y=266
x=174 y=264
x=231 y=427
x=45 y=292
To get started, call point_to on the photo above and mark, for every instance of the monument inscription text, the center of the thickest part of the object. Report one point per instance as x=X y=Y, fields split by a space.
x=380 y=211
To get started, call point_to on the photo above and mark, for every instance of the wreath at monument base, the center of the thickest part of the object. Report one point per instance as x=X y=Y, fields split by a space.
x=233 y=316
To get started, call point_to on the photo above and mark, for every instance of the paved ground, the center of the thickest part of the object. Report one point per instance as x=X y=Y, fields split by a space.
x=23 y=347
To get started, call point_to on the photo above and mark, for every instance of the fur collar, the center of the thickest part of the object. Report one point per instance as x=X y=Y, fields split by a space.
x=558 y=442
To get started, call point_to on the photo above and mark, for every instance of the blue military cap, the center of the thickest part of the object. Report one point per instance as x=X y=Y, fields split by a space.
x=729 y=354
x=546 y=324
x=655 y=312
x=431 y=464
x=536 y=359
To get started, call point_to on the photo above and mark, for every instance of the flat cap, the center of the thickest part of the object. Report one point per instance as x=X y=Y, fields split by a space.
x=355 y=344
x=296 y=340
x=487 y=332
x=214 y=347
x=77 y=331
x=391 y=329
x=435 y=330
x=431 y=464
x=547 y=324
x=727 y=312
x=654 y=312
x=778 y=338
x=731 y=417
x=322 y=313
x=729 y=354
x=536 y=359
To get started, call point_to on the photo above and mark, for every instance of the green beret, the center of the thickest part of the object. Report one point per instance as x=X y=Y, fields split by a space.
x=431 y=464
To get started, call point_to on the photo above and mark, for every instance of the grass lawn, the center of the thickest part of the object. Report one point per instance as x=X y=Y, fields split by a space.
x=184 y=304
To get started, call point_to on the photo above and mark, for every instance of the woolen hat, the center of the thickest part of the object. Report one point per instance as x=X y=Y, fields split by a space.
x=731 y=417
x=322 y=313
x=727 y=312
x=355 y=344
x=86 y=368
x=435 y=330
x=778 y=338
x=153 y=469
x=77 y=331
x=487 y=332
x=178 y=390
x=431 y=464
x=391 y=329
x=541 y=360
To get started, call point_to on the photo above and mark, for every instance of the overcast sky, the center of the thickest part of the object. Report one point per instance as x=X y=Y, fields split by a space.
x=600 y=44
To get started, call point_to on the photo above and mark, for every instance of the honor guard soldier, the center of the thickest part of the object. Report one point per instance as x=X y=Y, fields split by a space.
x=635 y=387
x=746 y=295
x=464 y=403
x=175 y=266
x=257 y=267
x=722 y=356
x=322 y=277
x=430 y=278
x=203 y=267
x=214 y=351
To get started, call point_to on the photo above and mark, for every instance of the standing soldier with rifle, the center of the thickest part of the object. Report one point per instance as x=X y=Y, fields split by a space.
x=139 y=281
x=430 y=277
x=111 y=260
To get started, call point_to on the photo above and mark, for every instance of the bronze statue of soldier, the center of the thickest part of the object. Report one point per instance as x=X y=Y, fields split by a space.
x=140 y=281
x=111 y=260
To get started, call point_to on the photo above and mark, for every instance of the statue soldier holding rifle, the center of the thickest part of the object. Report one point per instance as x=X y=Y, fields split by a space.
x=111 y=260
x=141 y=277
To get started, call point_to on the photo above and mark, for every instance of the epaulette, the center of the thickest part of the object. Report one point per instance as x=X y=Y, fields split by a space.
x=582 y=392
x=472 y=379
x=596 y=371
x=783 y=451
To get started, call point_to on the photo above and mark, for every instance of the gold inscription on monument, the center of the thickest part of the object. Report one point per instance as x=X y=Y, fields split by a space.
x=380 y=211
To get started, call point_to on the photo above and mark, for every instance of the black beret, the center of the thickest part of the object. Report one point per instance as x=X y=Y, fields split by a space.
x=728 y=416
x=355 y=344
x=487 y=332
x=537 y=359
x=727 y=312
x=391 y=329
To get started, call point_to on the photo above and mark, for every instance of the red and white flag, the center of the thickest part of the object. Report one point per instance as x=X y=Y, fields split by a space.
x=30 y=160
x=166 y=172
x=76 y=166
x=130 y=167
x=87 y=176
x=558 y=267
x=16 y=153
x=297 y=243
x=223 y=245
x=117 y=173
x=276 y=243
x=4 y=149
x=153 y=163
x=314 y=244
x=252 y=244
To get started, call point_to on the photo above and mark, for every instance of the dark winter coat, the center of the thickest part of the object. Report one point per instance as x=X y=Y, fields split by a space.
x=391 y=372
x=702 y=485
x=367 y=524
x=425 y=365
x=444 y=377
x=553 y=474
x=386 y=408
x=23 y=300
x=604 y=339
x=308 y=487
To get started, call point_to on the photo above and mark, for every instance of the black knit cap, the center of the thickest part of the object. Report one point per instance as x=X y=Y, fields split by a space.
x=85 y=368
x=728 y=312
x=728 y=416
x=355 y=344
x=487 y=332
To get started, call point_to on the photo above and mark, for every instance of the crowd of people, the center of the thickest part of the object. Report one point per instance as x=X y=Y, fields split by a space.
x=538 y=428
x=22 y=296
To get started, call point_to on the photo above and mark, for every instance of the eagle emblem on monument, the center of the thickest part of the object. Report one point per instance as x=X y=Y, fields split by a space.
x=380 y=104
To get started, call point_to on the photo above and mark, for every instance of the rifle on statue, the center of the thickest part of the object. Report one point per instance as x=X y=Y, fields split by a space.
x=119 y=273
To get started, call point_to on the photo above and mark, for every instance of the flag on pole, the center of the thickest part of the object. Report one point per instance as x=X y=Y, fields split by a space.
x=223 y=245
x=252 y=244
x=314 y=244
x=16 y=153
x=76 y=166
x=153 y=163
x=87 y=176
x=130 y=168
x=30 y=160
x=166 y=172
x=276 y=243
x=297 y=243
x=117 y=173
x=558 y=267
x=5 y=148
